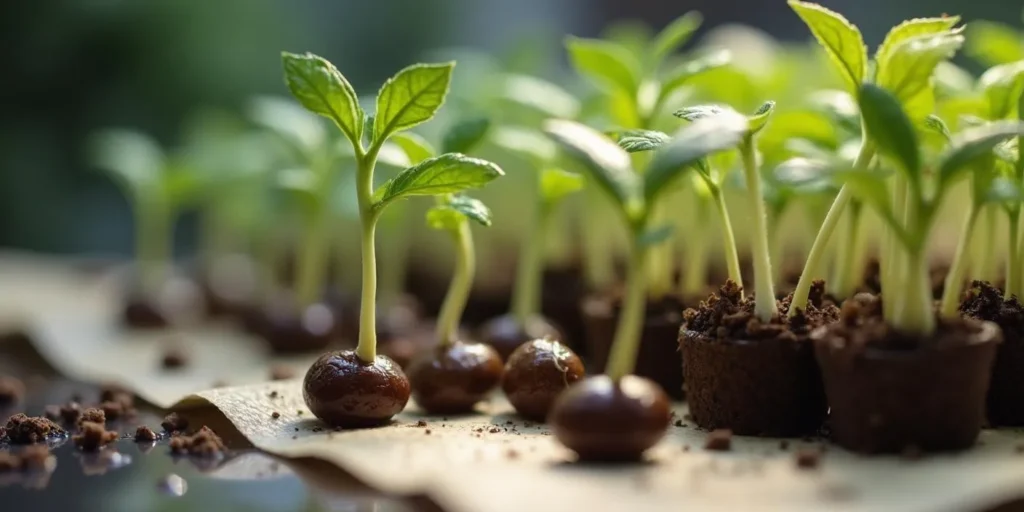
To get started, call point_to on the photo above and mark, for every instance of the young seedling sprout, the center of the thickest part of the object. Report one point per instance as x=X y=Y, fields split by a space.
x=904 y=64
x=360 y=387
x=583 y=416
x=157 y=187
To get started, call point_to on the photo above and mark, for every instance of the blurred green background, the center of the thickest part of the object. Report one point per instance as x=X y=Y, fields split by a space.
x=73 y=66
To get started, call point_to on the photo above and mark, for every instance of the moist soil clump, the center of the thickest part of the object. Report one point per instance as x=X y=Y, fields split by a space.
x=204 y=443
x=92 y=415
x=749 y=376
x=1006 y=392
x=12 y=390
x=144 y=434
x=889 y=390
x=174 y=358
x=174 y=423
x=93 y=436
x=22 y=429
x=719 y=440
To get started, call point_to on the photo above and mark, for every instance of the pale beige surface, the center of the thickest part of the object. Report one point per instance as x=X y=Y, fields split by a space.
x=523 y=468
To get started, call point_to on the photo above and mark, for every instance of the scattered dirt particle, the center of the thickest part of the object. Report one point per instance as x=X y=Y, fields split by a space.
x=275 y=415
x=92 y=415
x=204 y=443
x=174 y=358
x=510 y=422
x=679 y=423
x=719 y=441
x=295 y=437
x=1020 y=448
x=174 y=423
x=273 y=394
x=93 y=436
x=12 y=391
x=281 y=372
x=299 y=412
x=421 y=423
x=144 y=434
x=527 y=424
x=686 y=447
x=512 y=454
x=494 y=430
x=783 y=445
x=808 y=459
x=427 y=431
x=114 y=410
x=22 y=429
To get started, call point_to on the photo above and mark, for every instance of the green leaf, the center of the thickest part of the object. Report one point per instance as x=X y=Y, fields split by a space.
x=393 y=155
x=681 y=75
x=473 y=209
x=655 y=236
x=444 y=218
x=465 y=135
x=994 y=43
x=1003 y=190
x=973 y=144
x=909 y=69
x=608 y=164
x=295 y=124
x=540 y=95
x=134 y=159
x=606 y=63
x=555 y=184
x=530 y=144
x=416 y=148
x=890 y=129
x=1003 y=85
x=445 y=174
x=411 y=97
x=937 y=125
x=696 y=112
x=455 y=210
x=910 y=29
x=634 y=141
x=803 y=174
x=840 y=106
x=759 y=119
x=690 y=145
x=841 y=40
x=319 y=87
x=675 y=35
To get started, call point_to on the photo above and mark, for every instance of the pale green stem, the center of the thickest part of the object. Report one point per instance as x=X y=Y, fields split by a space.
x=828 y=226
x=659 y=265
x=368 y=216
x=154 y=237
x=526 y=295
x=775 y=245
x=984 y=265
x=626 y=344
x=765 y=306
x=599 y=263
x=841 y=252
x=914 y=305
x=849 y=267
x=313 y=259
x=462 y=283
x=950 y=302
x=732 y=257
x=1013 y=278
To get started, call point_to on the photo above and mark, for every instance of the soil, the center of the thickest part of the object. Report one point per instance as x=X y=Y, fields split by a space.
x=174 y=357
x=505 y=333
x=658 y=357
x=142 y=313
x=452 y=378
x=22 y=429
x=345 y=391
x=204 y=443
x=67 y=414
x=174 y=423
x=116 y=410
x=117 y=393
x=1006 y=392
x=289 y=330
x=537 y=373
x=93 y=436
x=92 y=415
x=719 y=440
x=144 y=434
x=807 y=459
x=12 y=390
x=889 y=390
x=602 y=420
x=749 y=376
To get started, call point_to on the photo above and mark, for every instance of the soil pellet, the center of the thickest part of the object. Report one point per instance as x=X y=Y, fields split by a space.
x=719 y=441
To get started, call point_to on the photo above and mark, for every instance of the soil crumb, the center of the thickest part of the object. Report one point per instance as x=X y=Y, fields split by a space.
x=730 y=315
x=985 y=302
x=174 y=423
x=174 y=358
x=144 y=434
x=204 y=443
x=808 y=459
x=12 y=390
x=92 y=415
x=22 y=429
x=117 y=393
x=93 y=436
x=719 y=440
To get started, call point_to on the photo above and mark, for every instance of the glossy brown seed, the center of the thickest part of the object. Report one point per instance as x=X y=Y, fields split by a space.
x=603 y=420
x=505 y=333
x=537 y=373
x=451 y=379
x=288 y=329
x=344 y=391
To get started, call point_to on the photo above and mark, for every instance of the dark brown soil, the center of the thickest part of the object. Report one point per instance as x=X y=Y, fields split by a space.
x=22 y=429
x=115 y=410
x=505 y=333
x=118 y=394
x=608 y=421
x=808 y=459
x=174 y=358
x=12 y=390
x=1006 y=392
x=345 y=391
x=749 y=376
x=537 y=373
x=719 y=440
x=658 y=357
x=93 y=436
x=889 y=390
x=142 y=313
x=144 y=434
x=67 y=414
x=92 y=415
x=451 y=379
x=174 y=423
x=204 y=443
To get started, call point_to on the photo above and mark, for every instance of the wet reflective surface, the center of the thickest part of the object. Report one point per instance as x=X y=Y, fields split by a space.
x=130 y=476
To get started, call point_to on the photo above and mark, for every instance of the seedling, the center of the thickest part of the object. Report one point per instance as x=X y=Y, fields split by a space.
x=886 y=122
x=409 y=98
x=904 y=64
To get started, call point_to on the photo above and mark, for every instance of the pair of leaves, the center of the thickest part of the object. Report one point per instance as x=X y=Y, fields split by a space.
x=407 y=99
x=840 y=39
x=605 y=63
x=456 y=209
x=754 y=122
